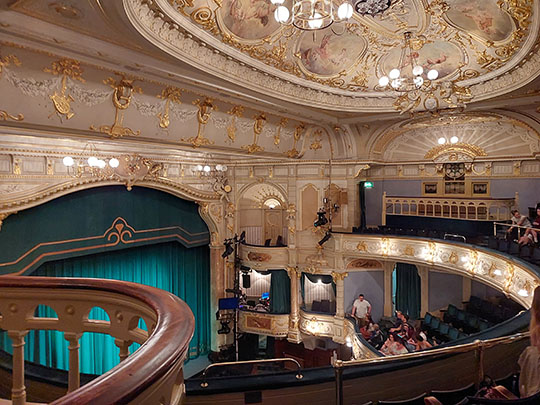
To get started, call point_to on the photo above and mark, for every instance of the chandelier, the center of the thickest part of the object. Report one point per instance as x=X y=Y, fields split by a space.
x=409 y=75
x=311 y=15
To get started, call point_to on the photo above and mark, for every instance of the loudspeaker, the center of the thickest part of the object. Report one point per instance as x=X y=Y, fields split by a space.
x=246 y=280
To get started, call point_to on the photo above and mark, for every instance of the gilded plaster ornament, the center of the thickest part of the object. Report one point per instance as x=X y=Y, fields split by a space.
x=439 y=152
x=203 y=115
x=258 y=126
x=298 y=132
x=5 y=61
x=66 y=68
x=316 y=144
x=121 y=98
x=277 y=136
x=236 y=112
x=3 y=216
x=169 y=94
x=4 y=116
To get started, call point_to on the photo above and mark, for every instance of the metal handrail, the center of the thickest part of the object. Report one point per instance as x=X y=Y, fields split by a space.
x=512 y=225
x=298 y=376
x=454 y=235
x=478 y=345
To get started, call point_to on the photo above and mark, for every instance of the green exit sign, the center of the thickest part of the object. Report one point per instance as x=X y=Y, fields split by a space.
x=368 y=184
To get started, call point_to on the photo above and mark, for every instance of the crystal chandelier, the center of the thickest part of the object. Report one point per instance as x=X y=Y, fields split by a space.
x=311 y=15
x=409 y=75
x=371 y=7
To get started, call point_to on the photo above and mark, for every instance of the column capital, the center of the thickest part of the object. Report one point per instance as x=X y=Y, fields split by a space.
x=338 y=276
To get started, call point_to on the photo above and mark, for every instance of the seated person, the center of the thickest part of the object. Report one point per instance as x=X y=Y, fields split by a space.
x=531 y=236
x=393 y=346
x=422 y=342
x=364 y=330
x=518 y=220
x=376 y=339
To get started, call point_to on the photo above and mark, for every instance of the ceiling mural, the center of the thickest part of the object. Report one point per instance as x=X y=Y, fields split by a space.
x=470 y=42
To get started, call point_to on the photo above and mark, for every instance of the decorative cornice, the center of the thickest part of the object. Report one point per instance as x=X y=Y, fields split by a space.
x=470 y=150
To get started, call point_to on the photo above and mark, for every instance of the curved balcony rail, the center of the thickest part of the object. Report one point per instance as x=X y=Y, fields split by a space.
x=505 y=226
x=264 y=258
x=367 y=380
x=263 y=323
x=151 y=375
x=204 y=376
x=510 y=275
x=471 y=209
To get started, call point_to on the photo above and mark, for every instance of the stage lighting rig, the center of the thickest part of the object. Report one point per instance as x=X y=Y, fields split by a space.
x=325 y=238
x=321 y=218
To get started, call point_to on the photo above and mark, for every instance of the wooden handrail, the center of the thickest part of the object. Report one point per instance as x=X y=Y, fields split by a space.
x=164 y=350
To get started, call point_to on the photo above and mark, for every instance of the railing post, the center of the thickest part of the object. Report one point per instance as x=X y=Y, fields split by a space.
x=123 y=345
x=74 y=372
x=338 y=369
x=479 y=362
x=18 y=390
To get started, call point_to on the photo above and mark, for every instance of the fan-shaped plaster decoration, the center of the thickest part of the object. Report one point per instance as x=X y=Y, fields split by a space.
x=484 y=19
x=324 y=53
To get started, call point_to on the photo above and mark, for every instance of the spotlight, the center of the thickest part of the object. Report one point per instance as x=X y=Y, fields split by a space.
x=224 y=328
x=228 y=248
x=321 y=218
x=325 y=238
x=242 y=237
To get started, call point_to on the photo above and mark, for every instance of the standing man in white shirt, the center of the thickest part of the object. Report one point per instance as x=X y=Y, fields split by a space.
x=361 y=310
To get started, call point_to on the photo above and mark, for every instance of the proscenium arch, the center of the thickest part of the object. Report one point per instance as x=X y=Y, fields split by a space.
x=55 y=191
x=69 y=244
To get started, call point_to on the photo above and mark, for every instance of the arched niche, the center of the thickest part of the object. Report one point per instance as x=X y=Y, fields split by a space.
x=262 y=210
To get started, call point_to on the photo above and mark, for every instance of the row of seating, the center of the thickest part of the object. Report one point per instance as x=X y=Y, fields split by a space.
x=526 y=252
x=463 y=395
x=464 y=320
x=493 y=313
x=441 y=330
x=389 y=230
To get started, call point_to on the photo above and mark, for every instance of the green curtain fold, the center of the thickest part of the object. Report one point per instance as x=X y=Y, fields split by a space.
x=280 y=292
x=408 y=290
x=169 y=266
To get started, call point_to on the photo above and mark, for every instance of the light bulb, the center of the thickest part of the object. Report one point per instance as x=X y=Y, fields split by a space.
x=454 y=139
x=383 y=81
x=282 y=14
x=114 y=162
x=396 y=83
x=277 y=1
x=418 y=70
x=92 y=161
x=199 y=168
x=441 y=141
x=218 y=167
x=68 y=161
x=432 y=74
x=523 y=293
x=223 y=168
x=345 y=11
x=206 y=168
x=394 y=73
x=418 y=81
x=315 y=22
x=497 y=272
x=101 y=163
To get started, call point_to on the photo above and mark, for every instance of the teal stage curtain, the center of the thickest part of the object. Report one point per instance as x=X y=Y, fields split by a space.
x=280 y=292
x=408 y=290
x=169 y=266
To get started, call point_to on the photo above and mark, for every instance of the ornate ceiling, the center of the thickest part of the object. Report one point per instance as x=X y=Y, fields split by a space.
x=220 y=76
x=475 y=45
